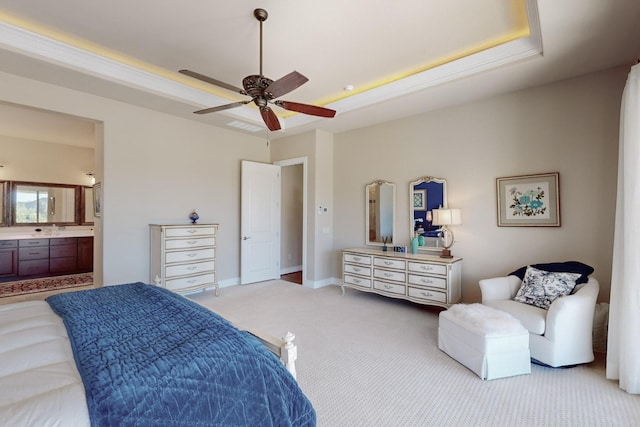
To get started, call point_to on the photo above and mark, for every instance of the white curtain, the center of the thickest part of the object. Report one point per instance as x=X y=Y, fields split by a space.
x=623 y=345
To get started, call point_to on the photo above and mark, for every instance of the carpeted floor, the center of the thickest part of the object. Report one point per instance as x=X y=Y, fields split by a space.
x=366 y=360
x=46 y=284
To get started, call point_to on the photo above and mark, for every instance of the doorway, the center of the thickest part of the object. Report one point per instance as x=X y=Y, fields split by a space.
x=293 y=220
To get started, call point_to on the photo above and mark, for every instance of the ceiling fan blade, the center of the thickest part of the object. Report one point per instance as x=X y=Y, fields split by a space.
x=285 y=84
x=270 y=118
x=222 y=107
x=306 y=109
x=212 y=81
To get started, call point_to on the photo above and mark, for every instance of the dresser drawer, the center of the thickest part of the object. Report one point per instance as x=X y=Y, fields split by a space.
x=424 y=267
x=190 y=231
x=190 y=281
x=427 y=295
x=191 y=268
x=357 y=281
x=8 y=243
x=434 y=282
x=63 y=241
x=63 y=251
x=37 y=252
x=397 y=276
x=393 y=288
x=194 y=255
x=63 y=265
x=33 y=242
x=357 y=259
x=189 y=243
x=357 y=269
x=399 y=264
x=31 y=267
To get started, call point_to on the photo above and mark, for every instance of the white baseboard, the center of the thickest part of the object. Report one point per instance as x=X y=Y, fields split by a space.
x=229 y=282
x=317 y=284
x=312 y=284
x=293 y=269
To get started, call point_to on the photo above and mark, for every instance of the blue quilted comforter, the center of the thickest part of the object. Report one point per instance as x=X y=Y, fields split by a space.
x=149 y=357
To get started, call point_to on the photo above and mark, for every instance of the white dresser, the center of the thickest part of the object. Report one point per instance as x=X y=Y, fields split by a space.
x=425 y=279
x=183 y=257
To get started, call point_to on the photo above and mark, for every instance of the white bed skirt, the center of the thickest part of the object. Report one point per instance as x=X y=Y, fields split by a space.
x=39 y=380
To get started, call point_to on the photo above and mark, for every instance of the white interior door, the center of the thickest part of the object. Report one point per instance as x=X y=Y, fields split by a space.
x=260 y=222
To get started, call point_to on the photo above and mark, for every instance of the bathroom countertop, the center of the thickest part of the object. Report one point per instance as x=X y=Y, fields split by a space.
x=44 y=234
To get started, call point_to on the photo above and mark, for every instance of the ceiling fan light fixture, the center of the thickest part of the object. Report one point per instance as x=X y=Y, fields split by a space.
x=264 y=91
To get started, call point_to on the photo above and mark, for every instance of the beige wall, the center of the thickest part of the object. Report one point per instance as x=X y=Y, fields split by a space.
x=154 y=168
x=36 y=161
x=291 y=218
x=317 y=148
x=570 y=127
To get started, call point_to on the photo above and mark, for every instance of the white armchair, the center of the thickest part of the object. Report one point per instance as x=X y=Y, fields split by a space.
x=559 y=336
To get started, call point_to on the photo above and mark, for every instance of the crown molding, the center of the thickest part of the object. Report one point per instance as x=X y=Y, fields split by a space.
x=43 y=48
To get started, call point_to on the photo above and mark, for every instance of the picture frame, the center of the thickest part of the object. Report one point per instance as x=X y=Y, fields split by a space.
x=97 y=200
x=529 y=200
x=419 y=200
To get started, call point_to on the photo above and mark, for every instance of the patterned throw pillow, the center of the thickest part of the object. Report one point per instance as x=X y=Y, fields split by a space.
x=540 y=288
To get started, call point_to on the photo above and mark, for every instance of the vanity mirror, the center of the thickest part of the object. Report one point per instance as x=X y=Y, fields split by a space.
x=425 y=195
x=380 y=213
x=3 y=203
x=88 y=206
x=40 y=203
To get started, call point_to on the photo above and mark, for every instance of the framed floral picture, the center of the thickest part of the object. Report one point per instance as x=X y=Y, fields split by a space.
x=529 y=200
x=419 y=200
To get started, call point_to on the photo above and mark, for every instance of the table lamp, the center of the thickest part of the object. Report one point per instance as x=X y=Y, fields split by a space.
x=446 y=217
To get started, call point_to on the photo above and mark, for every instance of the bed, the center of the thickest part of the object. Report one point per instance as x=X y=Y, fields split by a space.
x=137 y=354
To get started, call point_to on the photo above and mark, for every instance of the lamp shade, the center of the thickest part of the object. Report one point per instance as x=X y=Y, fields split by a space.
x=447 y=217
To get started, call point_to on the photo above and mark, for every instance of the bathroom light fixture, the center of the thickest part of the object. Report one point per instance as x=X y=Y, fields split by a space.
x=445 y=218
x=92 y=176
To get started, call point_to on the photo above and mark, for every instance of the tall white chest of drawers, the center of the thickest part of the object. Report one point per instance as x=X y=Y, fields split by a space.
x=425 y=279
x=183 y=257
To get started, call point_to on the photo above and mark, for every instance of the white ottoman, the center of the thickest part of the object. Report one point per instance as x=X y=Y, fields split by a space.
x=490 y=342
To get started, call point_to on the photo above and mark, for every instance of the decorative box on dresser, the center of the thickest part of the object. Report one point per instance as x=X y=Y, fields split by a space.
x=425 y=279
x=183 y=257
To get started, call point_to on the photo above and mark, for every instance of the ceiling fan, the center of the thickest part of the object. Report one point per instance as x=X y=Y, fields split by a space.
x=264 y=91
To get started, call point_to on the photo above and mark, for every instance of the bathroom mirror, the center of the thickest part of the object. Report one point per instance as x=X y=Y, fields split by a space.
x=40 y=203
x=380 y=213
x=3 y=204
x=425 y=195
x=87 y=206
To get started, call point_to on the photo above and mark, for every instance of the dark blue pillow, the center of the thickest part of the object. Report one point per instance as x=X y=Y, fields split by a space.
x=560 y=267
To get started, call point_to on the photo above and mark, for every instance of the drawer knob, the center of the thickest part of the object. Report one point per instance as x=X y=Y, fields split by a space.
x=356 y=258
x=192 y=254
x=192 y=268
x=427 y=268
x=427 y=294
x=427 y=281
x=191 y=281
x=356 y=280
x=387 y=286
x=356 y=269
x=191 y=231
x=388 y=274
x=192 y=242
x=388 y=263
